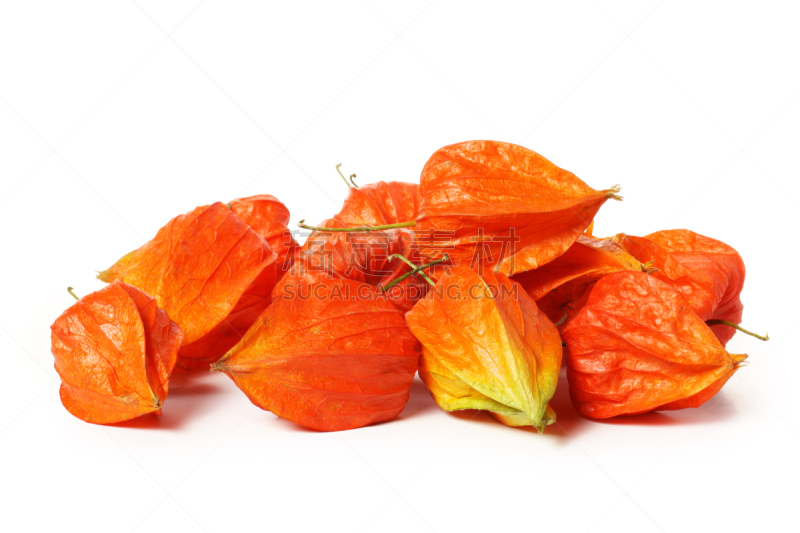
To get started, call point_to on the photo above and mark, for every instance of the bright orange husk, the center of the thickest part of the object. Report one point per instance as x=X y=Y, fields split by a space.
x=637 y=346
x=364 y=256
x=559 y=286
x=476 y=196
x=268 y=217
x=708 y=273
x=210 y=272
x=485 y=345
x=329 y=353
x=114 y=350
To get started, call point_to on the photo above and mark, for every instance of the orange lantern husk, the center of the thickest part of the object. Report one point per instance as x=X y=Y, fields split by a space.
x=329 y=353
x=269 y=218
x=485 y=345
x=561 y=286
x=502 y=206
x=114 y=351
x=210 y=272
x=708 y=273
x=365 y=256
x=637 y=346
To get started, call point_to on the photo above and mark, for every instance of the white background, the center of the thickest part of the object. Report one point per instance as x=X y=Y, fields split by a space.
x=117 y=115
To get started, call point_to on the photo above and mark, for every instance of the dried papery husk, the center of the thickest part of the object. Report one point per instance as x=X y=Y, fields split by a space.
x=476 y=196
x=114 y=350
x=329 y=353
x=210 y=272
x=269 y=218
x=637 y=346
x=485 y=345
x=559 y=286
x=720 y=262
x=364 y=256
x=708 y=273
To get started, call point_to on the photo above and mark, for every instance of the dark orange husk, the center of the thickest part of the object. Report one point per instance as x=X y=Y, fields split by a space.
x=364 y=256
x=637 y=346
x=709 y=273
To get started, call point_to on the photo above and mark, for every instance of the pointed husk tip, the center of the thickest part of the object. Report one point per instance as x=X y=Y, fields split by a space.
x=613 y=193
x=548 y=418
x=520 y=419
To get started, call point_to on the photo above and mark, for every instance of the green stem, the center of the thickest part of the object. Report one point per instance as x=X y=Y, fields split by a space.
x=402 y=258
x=342 y=175
x=69 y=290
x=352 y=177
x=412 y=265
x=563 y=319
x=736 y=326
x=409 y=224
x=417 y=270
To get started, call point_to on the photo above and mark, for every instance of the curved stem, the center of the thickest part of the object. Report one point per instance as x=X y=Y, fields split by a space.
x=69 y=290
x=342 y=175
x=417 y=270
x=736 y=326
x=412 y=265
x=402 y=258
x=563 y=319
x=352 y=177
x=409 y=224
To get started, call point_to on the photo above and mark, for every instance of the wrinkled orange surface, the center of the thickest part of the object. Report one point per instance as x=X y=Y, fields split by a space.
x=710 y=274
x=637 y=346
x=721 y=263
x=473 y=193
x=268 y=217
x=485 y=345
x=364 y=256
x=559 y=286
x=210 y=272
x=336 y=356
x=114 y=350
